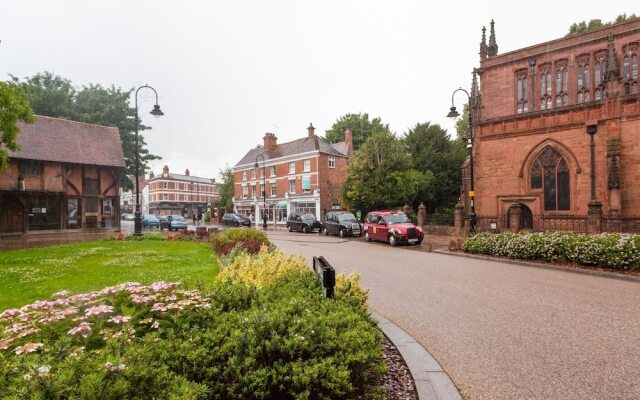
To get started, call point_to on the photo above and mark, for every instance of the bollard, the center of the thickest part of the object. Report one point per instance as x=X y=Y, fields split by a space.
x=326 y=274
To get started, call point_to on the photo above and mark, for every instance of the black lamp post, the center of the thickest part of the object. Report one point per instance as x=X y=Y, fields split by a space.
x=264 y=191
x=592 y=130
x=156 y=112
x=453 y=114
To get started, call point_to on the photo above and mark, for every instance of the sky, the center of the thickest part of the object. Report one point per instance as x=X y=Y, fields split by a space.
x=227 y=72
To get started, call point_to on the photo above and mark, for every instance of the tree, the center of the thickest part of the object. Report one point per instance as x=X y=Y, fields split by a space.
x=462 y=124
x=433 y=152
x=55 y=96
x=360 y=126
x=226 y=188
x=592 y=25
x=380 y=175
x=14 y=107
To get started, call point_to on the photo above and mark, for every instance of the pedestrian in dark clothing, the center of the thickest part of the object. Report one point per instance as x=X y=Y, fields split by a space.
x=200 y=218
x=193 y=215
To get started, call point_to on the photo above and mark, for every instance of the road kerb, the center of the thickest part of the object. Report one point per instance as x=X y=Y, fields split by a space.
x=432 y=382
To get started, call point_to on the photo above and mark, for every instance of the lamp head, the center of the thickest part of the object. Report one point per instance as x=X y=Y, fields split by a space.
x=453 y=114
x=592 y=129
x=256 y=165
x=156 y=112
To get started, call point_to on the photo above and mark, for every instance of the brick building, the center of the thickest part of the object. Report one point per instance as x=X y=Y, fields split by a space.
x=535 y=111
x=304 y=175
x=177 y=194
x=64 y=178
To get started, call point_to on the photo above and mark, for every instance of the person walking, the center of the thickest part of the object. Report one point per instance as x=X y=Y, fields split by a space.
x=200 y=218
x=193 y=215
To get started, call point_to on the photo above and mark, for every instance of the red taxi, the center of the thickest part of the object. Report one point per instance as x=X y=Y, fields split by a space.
x=393 y=227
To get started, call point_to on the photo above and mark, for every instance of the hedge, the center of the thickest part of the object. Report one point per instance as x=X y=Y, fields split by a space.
x=613 y=250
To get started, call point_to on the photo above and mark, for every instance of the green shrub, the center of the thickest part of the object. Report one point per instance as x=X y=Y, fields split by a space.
x=250 y=240
x=612 y=250
x=147 y=236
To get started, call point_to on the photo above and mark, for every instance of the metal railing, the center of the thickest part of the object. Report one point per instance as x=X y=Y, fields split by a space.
x=326 y=274
x=560 y=222
x=439 y=219
x=616 y=223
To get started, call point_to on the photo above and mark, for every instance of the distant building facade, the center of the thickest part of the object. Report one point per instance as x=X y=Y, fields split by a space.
x=65 y=178
x=535 y=111
x=177 y=194
x=304 y=175
x=128 y=197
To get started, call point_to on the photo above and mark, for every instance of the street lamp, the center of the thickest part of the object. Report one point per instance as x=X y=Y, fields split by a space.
x=156 y=112
x=264 y=191
x=453 y=114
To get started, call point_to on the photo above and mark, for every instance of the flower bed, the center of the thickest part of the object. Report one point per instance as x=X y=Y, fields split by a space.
x=249 y=240
x=611 y=250
x=278 y=339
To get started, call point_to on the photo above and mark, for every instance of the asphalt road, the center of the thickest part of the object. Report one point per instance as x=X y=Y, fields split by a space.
x=501 y=331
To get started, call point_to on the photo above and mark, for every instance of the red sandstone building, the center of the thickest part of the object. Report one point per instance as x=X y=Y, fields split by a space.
x=304 y=175
x=64 y=178
x=535 y=112
x=177 y=194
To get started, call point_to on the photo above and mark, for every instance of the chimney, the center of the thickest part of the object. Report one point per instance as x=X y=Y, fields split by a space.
x=186 y=172
x=311 y=130
x=348 y=140
x=270 y=141
x=150 y=174
x=165 y=170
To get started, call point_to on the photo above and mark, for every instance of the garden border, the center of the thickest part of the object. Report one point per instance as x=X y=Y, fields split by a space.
x=532 y=264
x=431 y=381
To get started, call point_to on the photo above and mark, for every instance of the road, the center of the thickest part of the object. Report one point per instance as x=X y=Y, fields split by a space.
x=501 y=331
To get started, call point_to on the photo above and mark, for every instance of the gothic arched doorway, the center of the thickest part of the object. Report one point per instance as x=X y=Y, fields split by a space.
x=525 y=218
x=11 y=215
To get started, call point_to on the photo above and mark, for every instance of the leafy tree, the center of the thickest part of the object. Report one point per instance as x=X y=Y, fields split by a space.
x=462 y=124
x=226 y=188
x=380 y=175
x=433 y=152
x=14 y=107
x=360 y=126
x=55 y=96
x=592 y=25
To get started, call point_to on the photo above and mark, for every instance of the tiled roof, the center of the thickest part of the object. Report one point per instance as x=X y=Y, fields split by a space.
x=61 y=140
x=299 y=146
x=188 y=178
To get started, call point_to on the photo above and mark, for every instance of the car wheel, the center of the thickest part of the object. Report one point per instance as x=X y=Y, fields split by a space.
x=392 y=240
x=305 y=229
x=419 y=242
x=367 y=237
x=343 y=233
x=237 y=224
x=289 y=228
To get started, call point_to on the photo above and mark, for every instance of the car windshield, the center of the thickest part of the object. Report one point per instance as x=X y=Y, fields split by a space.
x=150 y=216
x=397 y=218
x=309 y=217
x=179 y=218
x=346 y=217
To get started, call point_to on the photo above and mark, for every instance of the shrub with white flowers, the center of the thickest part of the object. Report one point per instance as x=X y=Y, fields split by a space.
x=613 y=250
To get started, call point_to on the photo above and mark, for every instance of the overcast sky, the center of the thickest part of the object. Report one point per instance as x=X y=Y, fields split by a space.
x=229 y=71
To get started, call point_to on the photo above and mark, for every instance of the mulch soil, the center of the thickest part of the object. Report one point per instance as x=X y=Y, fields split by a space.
x=397 y=380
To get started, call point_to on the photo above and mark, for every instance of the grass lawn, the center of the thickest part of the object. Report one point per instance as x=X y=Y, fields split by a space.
x=31 y=274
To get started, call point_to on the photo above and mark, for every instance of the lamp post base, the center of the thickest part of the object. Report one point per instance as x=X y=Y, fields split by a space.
x=137 y=230
x=473 y=220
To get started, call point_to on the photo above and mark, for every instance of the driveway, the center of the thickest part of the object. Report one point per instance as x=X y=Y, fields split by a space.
x=501 y=331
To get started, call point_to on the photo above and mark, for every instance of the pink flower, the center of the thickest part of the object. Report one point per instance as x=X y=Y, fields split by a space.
x=119 y=319
x=162 y=286
x=155 y=325
x=136 y=298
x=28 y=348
x=81 y=329
x=9 y=313
x=28 y=332
x=159 y=307
x=99 y=310
x=5 y=343
x=62 y=293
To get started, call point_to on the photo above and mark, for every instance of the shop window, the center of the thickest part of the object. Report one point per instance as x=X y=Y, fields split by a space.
x=44 y=212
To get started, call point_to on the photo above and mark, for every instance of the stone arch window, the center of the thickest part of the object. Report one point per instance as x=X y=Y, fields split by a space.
x=584 y=79
x=546 y=87
x=630 y=68
x=599 y=70
x=562 y=83
x=522 y=105
x=550 y=172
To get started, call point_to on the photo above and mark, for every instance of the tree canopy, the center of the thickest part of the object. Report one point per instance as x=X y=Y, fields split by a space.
x=380 y=175
x=14 y=107
x=360 y=126
x=592 y=25
x=55 y=96
x=433 y=153
x=226 y=188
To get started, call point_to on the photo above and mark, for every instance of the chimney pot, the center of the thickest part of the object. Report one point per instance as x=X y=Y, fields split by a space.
x=348 y=140
x=270 y=141
x=311 y=129
x=186 y=172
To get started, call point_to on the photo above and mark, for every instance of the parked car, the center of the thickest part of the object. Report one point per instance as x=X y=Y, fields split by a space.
x=151 y=221
x=342 y=223
x=231 y=219
x=173 y=222
x=128 y=217
x=393 y=227
x=303 y=222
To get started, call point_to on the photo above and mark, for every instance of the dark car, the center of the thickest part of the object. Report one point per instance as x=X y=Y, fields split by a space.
x=393 y=227
x=173 y=222
x=303 y=222
x=150 y=220
x=342 y=223
x=236 y=220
